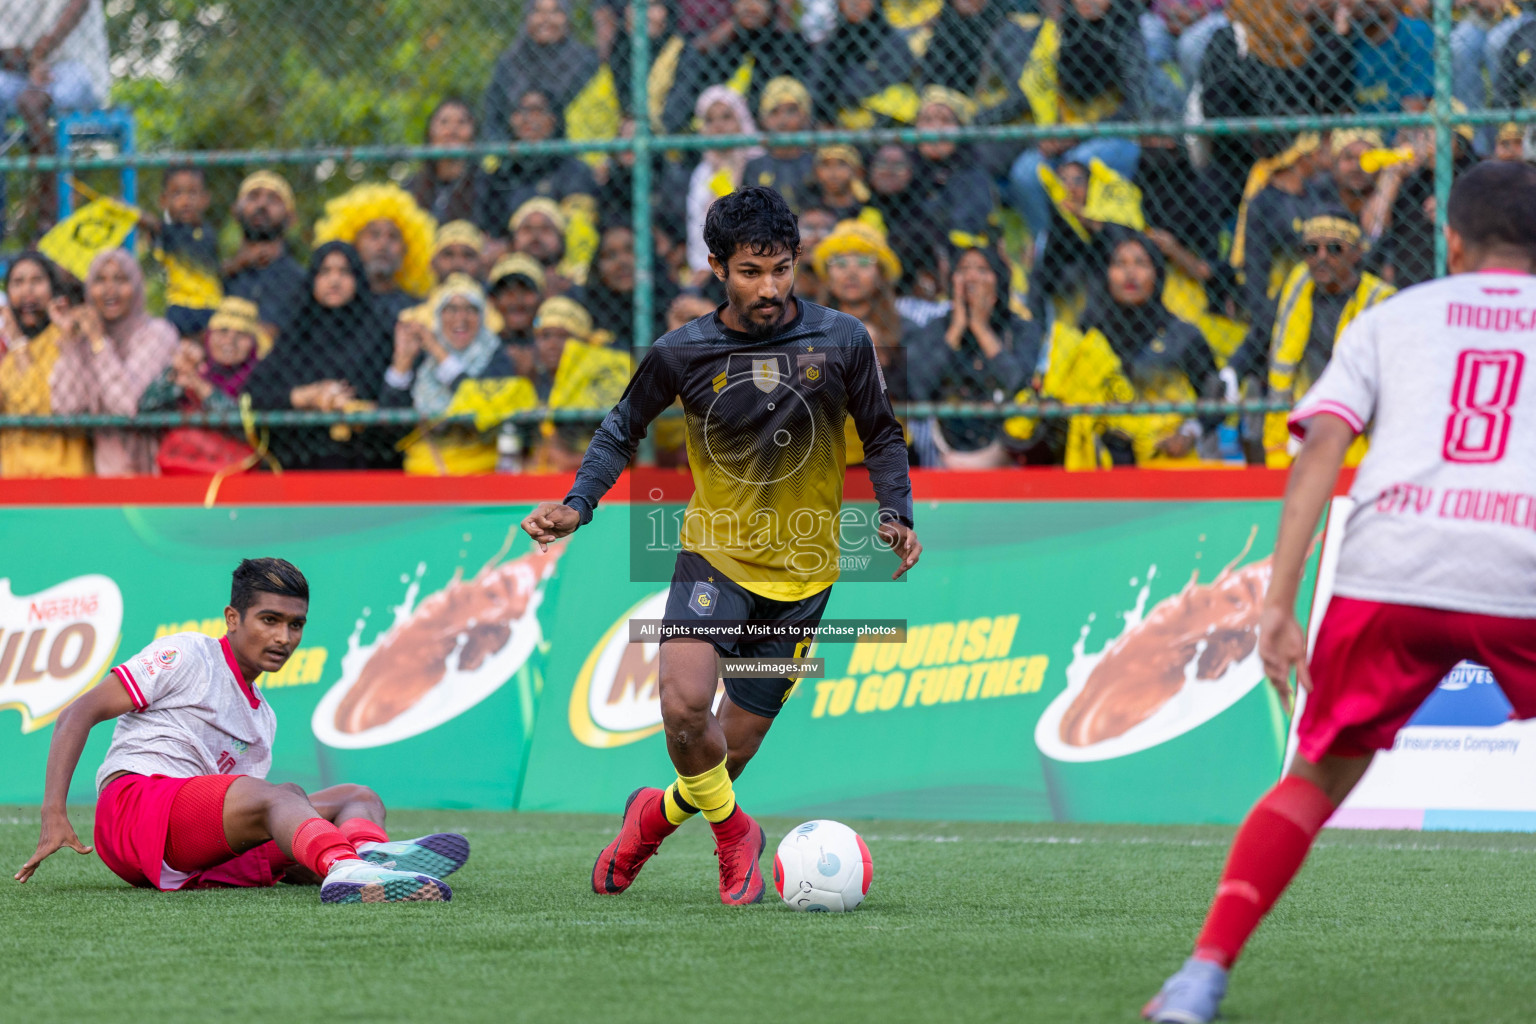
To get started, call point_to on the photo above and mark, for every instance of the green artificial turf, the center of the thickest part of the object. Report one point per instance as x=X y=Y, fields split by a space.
x=965 y=922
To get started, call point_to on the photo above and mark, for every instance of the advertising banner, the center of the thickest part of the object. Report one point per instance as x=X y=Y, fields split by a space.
x=1063 y=660
x=417 y=672
x=1460 y=763
x=1078 y=661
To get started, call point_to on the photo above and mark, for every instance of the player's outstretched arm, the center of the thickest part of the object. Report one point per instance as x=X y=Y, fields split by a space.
x=1282 y=641
x=551 y=521
x=107 y=699
x=649 y=392
x=885 y=450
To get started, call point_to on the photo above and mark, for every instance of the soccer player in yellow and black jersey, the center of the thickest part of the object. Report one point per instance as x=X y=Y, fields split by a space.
x=766 y=382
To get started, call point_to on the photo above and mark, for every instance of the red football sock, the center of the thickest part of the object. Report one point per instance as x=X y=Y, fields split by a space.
x=732 y=828
x=654 y=823
x=1268 y=851
x=317 y=844
x=361 y=830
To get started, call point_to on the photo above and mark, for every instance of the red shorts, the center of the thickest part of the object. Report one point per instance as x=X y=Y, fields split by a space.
x=1375 y=663
x=134 y=826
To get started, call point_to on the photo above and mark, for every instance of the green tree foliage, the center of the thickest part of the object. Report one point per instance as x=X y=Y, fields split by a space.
x=286 y=74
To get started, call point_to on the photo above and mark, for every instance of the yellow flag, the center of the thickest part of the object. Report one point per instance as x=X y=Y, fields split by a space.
x=1057 y=190
x=1041 y=86
x=594 y=113
x=581 y=236
x=99 y=225
x=492 y=399
x=1038 y=79
x=1112 y=199
x=589 y=377
x=740 y=81
x=189 y=285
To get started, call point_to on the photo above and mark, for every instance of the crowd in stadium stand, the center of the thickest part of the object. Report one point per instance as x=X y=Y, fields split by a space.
x=1099 y=268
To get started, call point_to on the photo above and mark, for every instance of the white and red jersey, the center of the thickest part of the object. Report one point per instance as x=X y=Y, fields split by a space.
x=193 y=713
x=1445 y=500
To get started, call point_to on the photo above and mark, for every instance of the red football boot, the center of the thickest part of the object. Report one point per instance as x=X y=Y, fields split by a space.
x=645 y=826
x=739 y=842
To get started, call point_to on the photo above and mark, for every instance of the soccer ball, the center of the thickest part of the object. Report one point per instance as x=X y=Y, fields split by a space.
x=822 y=865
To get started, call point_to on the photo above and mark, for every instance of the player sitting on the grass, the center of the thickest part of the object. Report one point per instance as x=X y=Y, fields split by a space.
x=1438 y=561
x=767 y=382
x=182 y=800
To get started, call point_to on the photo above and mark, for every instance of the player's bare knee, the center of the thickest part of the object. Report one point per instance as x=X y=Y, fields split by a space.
x=683 y=713
x=366 y=797
x=294 y=788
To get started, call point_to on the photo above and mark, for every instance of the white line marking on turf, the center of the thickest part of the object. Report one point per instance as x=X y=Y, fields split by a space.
x=1335 y=844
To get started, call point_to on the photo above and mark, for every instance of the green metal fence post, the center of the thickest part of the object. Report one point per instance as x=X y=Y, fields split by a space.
x=1444 y=133
x=640 y=103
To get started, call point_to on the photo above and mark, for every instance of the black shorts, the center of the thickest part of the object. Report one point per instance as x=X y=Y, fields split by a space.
x=700 y=591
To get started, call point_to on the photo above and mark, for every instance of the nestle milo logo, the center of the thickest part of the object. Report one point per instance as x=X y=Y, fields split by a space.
x=55 y=644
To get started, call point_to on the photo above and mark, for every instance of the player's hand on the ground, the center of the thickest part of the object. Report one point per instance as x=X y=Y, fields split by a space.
x=1283 y=647
x=57 y=834
x=551 y=521
x=903 y=541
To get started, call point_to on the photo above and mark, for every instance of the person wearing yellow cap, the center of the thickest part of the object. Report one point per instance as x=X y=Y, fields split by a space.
x=457 y=249
x=785 y=107
x=837 y=182
x=955 y=190
x=263 y=269
x=210 y=373
x=1319 y=300
x=1280 y=193
x=1510 y=142
x=572 y=369
x=1348 y=183
x=559 y=320
x=861 y=270
x=538 y=229
x=516 y=289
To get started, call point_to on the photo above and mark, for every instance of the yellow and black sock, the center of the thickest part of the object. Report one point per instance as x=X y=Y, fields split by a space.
x=676 y=806
x=711 y=793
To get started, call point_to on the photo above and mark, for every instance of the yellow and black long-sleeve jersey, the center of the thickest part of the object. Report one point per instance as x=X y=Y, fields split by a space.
x=765 y=443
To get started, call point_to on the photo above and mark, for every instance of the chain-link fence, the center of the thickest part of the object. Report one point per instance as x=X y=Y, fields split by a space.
x=374 y=233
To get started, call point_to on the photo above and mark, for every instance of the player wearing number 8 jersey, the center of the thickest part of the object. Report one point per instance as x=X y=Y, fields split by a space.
x=1438 y=560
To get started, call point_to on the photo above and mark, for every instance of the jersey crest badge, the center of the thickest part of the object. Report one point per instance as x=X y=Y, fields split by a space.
x=812 y=370
x=765 y=374
x=703 y=599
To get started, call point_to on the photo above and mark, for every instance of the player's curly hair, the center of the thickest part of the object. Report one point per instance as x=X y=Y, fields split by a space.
x=755 y=219
x=265 y=576
x=347 y=215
